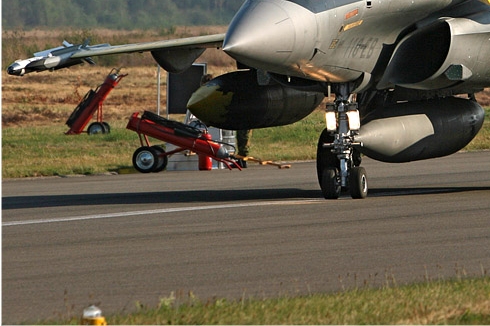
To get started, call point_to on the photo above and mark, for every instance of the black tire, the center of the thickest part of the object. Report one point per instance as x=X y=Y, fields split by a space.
x=162 y=159
x=330 y=184
x=96 y=128
x=107 y=127
x=324 y=156
x=145 y=159
x=358 y=183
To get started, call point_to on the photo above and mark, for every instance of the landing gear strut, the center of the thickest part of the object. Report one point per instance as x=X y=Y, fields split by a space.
x=338 y=155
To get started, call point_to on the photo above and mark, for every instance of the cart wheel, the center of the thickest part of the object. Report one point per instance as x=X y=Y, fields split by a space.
x=162 y=159
x=107 y=127
x=96 y=128
x=145 y=159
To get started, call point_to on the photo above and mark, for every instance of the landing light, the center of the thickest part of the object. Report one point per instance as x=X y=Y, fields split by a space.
x=354 y=118
x=331 y=118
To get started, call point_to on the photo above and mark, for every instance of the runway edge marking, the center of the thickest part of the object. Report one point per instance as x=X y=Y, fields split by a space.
x=157 y=211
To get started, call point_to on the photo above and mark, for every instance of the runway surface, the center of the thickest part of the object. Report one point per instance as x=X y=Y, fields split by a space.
x=116 y=240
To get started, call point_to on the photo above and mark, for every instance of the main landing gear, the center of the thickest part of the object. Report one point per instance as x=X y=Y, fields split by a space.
x=338 y=156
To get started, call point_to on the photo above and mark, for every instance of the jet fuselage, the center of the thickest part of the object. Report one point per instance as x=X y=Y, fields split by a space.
x=345 y=41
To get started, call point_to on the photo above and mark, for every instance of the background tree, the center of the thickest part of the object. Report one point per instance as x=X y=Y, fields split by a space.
x=118 y=14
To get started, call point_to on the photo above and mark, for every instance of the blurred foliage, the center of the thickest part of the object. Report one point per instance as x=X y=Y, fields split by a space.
x=116 y=14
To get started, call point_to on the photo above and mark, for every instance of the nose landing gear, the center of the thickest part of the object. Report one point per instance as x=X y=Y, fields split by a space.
x=338 y=155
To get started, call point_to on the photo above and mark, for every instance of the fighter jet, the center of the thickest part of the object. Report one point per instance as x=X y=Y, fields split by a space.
x=53 y=59
x=404 y=74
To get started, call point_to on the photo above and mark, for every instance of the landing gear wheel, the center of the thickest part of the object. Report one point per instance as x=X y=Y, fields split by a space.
x=162 y=159
x=330 y=184
x=358 y=183
x=145 y=159
x=324 y=156
x=96 y=128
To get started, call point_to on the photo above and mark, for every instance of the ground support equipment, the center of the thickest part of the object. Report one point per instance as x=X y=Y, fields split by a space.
x=149 y=158
x=92 y=102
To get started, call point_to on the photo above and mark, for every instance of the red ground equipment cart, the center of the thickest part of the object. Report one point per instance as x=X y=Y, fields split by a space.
x=92 y=102
x=149 y=158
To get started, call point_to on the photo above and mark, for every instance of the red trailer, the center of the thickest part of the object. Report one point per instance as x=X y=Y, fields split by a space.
x=92 y=102
x=149 y=158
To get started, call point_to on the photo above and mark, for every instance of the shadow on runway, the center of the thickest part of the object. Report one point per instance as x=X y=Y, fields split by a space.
x=211 y=196
x=192 y=196
x=392 y=192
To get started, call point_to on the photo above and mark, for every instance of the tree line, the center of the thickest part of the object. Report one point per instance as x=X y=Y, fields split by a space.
x=116 y=14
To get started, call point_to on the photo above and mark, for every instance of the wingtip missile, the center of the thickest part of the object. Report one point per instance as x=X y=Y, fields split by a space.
x=53 y=59
x=18 y=68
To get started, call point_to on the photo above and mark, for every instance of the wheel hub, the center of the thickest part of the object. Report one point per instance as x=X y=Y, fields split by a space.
x=145 y=160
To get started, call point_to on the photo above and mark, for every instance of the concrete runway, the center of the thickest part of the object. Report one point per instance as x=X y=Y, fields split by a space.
x=117 y=240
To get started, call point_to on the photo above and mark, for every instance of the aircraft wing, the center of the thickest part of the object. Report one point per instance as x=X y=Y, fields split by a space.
x=174 y=55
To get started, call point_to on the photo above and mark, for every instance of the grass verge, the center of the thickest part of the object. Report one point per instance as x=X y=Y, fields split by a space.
x=47 y=151
x=463 y=301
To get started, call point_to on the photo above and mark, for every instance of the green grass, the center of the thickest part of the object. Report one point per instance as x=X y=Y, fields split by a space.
x=47 y=151
x=462 y=301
